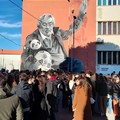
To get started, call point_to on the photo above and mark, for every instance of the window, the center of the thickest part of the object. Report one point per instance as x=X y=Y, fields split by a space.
x=109 y=27
x=108 y=57
x=114 y=28
x=114 y=2
x=104 y=57
x=104 y=2
x=99 y=57
x=119 y=57
x=114 y=57
x=118 y=27
x=99 y=28
x=99 y=2
x=118 y=2
x=104 y=28
x=109 y=2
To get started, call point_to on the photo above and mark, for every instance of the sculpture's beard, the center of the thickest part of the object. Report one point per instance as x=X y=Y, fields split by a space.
x=46 y=31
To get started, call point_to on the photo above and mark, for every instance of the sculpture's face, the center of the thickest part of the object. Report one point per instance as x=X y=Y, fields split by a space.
x=46 y=26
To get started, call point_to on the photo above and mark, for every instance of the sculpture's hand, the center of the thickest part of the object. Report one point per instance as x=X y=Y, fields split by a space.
x=83 y=7
x=78 y=20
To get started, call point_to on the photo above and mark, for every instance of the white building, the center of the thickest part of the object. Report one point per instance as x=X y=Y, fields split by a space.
x=107 y=36
x=10 y=61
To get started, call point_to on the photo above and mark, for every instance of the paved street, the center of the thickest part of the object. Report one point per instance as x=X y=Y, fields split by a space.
x=66 y=115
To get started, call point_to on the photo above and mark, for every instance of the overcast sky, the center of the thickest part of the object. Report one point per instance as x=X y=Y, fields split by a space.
x=10 y=24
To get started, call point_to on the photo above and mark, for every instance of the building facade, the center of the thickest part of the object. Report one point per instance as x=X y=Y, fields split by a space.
x=10 y=59
x=107 y=36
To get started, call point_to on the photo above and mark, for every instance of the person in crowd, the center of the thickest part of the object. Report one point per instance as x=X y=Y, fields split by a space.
x=102 y=90
x=71 y=88
x=116 y=95
x=11 y=82
x=109 y=96
x=81 y=102
x=47 y=41
x=43 y=75
x=66 y=92
x=51 y=94
x=16 y=75
x=60 y=87
x=10 y=105
x=71 y=84
x=89 y=76
x=39 y=108
x=24 y=91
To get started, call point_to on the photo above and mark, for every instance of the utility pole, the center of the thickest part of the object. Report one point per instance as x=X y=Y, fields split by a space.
x=73 y=41
x=2 y=59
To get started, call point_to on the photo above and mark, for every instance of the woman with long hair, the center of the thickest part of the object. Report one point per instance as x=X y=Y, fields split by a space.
x=81 y=102
x=116 y=95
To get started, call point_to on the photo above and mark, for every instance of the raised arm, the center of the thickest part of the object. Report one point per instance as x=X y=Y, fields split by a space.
x=77 y=21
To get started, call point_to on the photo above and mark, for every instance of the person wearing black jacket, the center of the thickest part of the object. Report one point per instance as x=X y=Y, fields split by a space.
x=102 y=90
x=51 y=94
x=24 y=91
x=39 y=109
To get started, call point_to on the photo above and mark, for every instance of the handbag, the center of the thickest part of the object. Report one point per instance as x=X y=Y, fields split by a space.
x=92 y=100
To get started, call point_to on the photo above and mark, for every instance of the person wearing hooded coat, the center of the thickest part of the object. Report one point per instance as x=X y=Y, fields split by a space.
x=10 y=105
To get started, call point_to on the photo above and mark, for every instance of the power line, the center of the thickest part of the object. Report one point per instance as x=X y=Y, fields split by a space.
x=23 y=9
x=10 y=40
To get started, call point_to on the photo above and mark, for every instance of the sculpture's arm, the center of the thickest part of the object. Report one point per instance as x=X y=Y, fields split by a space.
x=77 y=21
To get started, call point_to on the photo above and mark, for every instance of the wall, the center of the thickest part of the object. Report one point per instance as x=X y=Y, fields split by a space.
x=10 y=61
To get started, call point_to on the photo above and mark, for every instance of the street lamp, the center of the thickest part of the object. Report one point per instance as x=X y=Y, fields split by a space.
x=73 y=40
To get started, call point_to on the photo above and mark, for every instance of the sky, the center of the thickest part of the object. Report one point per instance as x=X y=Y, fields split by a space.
x=10 y=24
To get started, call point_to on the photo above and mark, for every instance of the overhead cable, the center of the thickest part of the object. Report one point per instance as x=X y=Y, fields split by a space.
x=10 y=40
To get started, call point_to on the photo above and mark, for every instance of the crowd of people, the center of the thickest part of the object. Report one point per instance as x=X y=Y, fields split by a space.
x=38 y=95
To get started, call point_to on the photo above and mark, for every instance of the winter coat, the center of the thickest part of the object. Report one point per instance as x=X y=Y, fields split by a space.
x=110 y=87
x=10 y=106
x=51 y=93
x=116 y=91
x=81 y=104
x=24 y=91
x=101 y=87
x=39 y=109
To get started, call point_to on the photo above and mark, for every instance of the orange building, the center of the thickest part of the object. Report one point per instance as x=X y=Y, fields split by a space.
x=84 y=39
